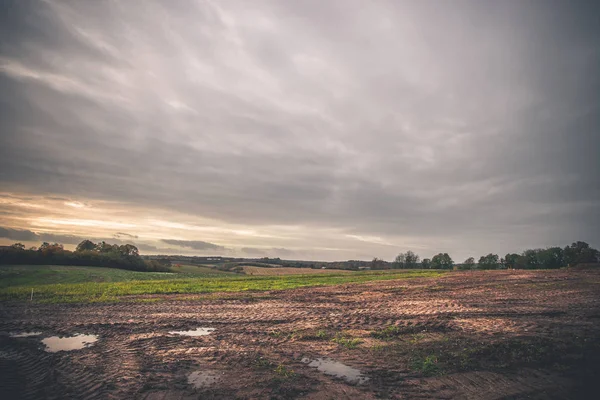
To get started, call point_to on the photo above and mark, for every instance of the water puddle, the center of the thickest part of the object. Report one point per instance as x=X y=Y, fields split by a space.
x=79 y=341
x=195 y=332
x=200 y=379
x=337 y=369
x=25 y=334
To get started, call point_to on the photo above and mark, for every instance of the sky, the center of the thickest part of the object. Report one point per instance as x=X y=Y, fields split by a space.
x=324 y=130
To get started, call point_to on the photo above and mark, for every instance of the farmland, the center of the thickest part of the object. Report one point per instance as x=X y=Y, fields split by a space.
x=259 y=271
x=92 y=284
x=481 y=334
x=18 y=275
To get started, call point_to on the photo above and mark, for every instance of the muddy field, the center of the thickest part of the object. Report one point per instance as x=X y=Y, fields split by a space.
x=480 y=335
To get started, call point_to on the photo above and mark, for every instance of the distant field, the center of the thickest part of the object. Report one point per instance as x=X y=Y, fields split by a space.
x=90 y=284
x=17 y=275
x=257 y=264
x=199 y=270
x=261 y=271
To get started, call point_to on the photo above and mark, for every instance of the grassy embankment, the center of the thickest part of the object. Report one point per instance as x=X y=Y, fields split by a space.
x=91 y=284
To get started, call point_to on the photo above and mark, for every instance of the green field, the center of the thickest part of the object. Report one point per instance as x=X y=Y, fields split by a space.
x=89 y=284
x=24 y=275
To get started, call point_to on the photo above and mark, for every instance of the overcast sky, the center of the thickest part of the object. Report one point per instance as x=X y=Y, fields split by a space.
x=317 y=129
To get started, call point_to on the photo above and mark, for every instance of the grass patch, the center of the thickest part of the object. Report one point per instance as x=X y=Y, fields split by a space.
x=262 y=362
x=148 y=300
x=322 y=334
x=416 y=338
x=392 y=331
x=312 y=334
x=34 y=275
x=284 y=372
x=346 y=341
x=128 y=283
x=377 y=347
x=278 y=334
x=387 y=333
x=427 y=365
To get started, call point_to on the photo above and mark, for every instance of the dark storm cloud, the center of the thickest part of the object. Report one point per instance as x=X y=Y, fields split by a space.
x=17 y=234
x=30 y=236
x=193 y=244
x=474 y=120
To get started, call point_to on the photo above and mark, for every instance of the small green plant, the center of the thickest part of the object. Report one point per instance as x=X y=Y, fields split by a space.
x=347 y=342
x=311 y=335
x=417 y=337
x=427 y=366
x=284 y=371
x=322 y=334
x=377 y=347
x=386 y=333
x=276 y=334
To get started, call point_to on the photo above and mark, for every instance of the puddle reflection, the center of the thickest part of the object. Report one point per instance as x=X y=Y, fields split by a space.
x=76 y=342
x=337 y=369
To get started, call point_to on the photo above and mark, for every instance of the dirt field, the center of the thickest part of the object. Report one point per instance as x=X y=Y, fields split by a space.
x=471 y=335
x=260 y=271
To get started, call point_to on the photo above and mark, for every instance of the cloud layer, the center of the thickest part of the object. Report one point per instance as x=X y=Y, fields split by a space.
x=338 y=129
x=194 y=244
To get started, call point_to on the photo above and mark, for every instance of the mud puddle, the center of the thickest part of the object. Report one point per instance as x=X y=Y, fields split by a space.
x=25 y=334
x=195 y=332
x=79 y=341
x=337 y=369
x=201 y=379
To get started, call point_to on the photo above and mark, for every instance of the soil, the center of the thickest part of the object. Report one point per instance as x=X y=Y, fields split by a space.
x=466 y=335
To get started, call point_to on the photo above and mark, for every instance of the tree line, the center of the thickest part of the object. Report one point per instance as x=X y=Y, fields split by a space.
x=87 y=253
x=127 y=256
x=577 y=253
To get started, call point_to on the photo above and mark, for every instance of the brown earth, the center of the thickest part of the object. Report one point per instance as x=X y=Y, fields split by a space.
x=467 y=335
